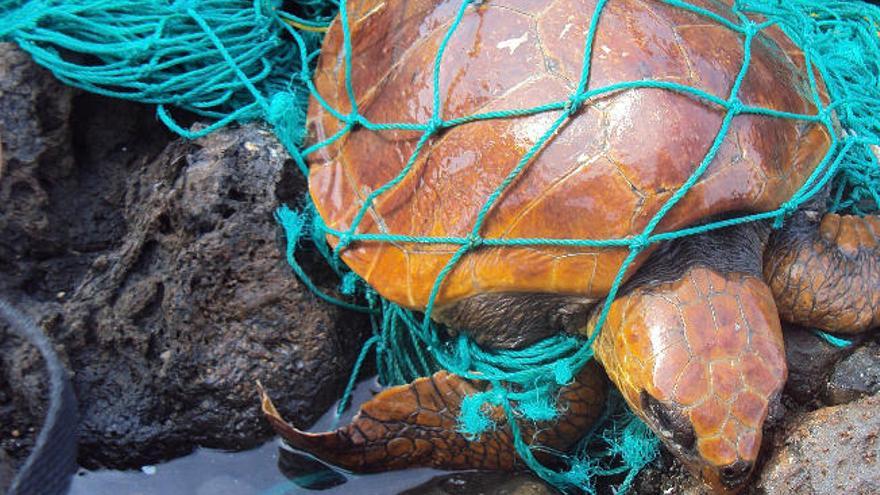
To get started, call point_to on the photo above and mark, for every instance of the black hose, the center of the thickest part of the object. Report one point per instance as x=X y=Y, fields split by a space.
x=49 y=467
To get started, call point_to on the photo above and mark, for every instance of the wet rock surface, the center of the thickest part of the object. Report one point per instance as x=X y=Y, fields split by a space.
x=153 y=264
x=199 y=298
x=831 y=450
x=810 y=362
x=6 y=471
x=478 y=483
x=855 y=376
x=667 y=476
x=21 y=414
x=35 y=148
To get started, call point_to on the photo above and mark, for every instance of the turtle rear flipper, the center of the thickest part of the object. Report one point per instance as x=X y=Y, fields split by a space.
x=416 y=425
x=827 y=274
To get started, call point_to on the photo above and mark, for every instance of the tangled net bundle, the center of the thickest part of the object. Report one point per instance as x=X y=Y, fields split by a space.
x=236 y=61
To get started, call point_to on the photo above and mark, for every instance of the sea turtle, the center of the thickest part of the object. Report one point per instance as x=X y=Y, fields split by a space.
x=693 y=340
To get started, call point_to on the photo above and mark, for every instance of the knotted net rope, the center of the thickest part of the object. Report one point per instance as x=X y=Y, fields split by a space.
x=231 y=61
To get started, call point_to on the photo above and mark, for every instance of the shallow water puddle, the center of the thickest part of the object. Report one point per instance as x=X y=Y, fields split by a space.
x=266 y=470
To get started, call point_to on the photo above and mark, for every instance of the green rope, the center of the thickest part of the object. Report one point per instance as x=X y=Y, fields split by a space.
x=220 y=59
x=239 y=60
x=831 y=339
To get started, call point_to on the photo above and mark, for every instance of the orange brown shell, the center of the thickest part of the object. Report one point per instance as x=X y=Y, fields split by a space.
x=603 y=175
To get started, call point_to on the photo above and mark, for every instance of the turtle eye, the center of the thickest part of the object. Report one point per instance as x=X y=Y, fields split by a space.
x=670 y=422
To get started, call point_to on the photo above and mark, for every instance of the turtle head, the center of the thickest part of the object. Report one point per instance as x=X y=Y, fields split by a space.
x=700 y=360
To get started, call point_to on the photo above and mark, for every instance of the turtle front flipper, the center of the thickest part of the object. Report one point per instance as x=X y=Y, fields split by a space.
x=827 y=275
x=416 y=425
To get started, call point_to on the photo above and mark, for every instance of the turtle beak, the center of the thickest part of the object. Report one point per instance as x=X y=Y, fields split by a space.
x=729 y=479
x=674 y=427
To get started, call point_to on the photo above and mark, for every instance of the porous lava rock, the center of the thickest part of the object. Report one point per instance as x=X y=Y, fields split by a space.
x=154 y=264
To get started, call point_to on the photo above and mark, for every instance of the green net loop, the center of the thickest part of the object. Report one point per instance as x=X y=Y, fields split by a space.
x=235 y=60
x=220 y=59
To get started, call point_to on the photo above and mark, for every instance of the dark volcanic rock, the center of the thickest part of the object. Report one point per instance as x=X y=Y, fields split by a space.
x=810 y=361
x=831 y=450
x=23 y=396
x=156 y=270
x=197 y=304
x=36 y=148
x=855 y=376
x=666 y=475
x=6 y=472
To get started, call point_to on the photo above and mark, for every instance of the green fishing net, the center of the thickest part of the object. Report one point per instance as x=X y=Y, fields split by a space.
x=235 y=61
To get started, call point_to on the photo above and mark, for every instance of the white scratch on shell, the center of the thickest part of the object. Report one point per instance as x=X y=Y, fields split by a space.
x=513 y=43
x=565 y=30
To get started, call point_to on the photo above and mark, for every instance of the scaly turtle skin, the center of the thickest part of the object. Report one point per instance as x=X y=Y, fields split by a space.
x=693 y=340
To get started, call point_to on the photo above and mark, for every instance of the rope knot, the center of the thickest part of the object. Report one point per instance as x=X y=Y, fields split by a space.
x=639 y=243
x=750 y=28
x=735 y=105
x=562 y=372
x=435 y=124
x=473 y=242
x=788 y=207
x=785 y=210
x=353 y=119
x=281 y=106
x=574 y=104
x=344 y=241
